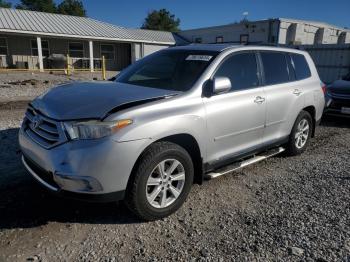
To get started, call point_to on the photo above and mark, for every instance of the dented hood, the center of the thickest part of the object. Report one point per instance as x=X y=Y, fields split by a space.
x=84 y=100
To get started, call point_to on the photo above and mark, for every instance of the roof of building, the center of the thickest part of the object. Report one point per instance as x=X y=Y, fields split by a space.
x=315 y=23
x=40 y=23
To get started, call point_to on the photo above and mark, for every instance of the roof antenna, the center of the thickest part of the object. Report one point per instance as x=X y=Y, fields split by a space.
x=245 y=16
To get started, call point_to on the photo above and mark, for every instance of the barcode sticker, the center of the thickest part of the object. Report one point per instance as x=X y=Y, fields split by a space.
x=199 y=58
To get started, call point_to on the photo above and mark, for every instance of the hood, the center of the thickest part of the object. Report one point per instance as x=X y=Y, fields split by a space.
x=83 y=100
x=340 y=87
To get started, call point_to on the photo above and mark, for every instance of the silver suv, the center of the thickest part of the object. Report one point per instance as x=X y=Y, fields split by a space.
x=172 y=119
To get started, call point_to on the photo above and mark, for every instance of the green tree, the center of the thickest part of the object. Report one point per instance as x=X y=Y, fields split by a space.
x=5 y=4
x=161 y=20
x=71 y=7
x=38 y=5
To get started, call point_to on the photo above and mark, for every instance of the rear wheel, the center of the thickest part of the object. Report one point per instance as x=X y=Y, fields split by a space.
x=161 y=182
x=301 y=133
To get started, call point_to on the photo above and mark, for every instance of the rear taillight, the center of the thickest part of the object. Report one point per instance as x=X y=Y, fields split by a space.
x=324 y=88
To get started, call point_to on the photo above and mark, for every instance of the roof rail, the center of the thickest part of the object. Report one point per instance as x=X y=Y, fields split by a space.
x=260 y=43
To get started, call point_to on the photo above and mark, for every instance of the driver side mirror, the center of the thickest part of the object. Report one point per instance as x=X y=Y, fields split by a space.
x=218 y=85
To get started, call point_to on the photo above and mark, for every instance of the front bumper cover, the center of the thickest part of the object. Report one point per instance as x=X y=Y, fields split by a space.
x=48 y=181
x=89 y=167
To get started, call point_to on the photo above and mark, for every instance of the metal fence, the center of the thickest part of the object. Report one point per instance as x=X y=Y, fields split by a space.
x=332 y=60
x=68 y=65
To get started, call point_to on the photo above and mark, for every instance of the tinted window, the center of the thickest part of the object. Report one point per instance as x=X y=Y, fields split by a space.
x=275 y=68
x=301 y=67
x=169 y=69
x=241 y=69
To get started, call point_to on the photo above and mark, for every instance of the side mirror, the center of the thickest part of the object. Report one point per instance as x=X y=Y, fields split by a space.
x=221 y=85
x=218 y=85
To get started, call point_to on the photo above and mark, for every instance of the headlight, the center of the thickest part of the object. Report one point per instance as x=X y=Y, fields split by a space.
x=94 y=129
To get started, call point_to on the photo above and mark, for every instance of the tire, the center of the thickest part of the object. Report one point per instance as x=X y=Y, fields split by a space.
x=147 y=173
x=295 y=146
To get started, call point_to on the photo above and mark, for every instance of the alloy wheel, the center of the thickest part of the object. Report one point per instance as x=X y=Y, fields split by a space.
x=302 y=133
x=165 y=183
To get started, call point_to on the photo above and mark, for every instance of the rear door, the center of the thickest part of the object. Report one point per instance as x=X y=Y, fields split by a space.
x=284 y=95
x=235 y=120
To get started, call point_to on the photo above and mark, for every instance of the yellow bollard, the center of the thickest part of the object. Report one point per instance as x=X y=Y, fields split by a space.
x=103 y=68
x=68 y=72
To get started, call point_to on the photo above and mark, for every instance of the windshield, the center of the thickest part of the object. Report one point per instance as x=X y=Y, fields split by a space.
x=169 y=69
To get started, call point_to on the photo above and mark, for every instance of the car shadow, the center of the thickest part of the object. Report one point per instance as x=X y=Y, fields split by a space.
x=25 y=204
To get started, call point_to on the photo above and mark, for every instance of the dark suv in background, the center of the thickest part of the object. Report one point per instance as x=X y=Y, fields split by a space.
x=338 y=97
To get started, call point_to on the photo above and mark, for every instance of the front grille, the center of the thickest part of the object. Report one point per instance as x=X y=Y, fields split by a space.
x=42 y=130
x=40 y=172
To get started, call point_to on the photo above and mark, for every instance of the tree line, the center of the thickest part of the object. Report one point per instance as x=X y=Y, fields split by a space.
x=66 y=7
x=160 y=19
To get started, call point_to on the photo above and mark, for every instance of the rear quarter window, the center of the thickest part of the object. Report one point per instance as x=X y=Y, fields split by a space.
x=301 y=67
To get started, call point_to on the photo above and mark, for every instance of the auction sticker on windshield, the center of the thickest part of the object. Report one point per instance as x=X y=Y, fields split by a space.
x=199 y=57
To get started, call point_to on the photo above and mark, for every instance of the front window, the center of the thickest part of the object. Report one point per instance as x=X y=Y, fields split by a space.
x=219 y=39
x=76 y=49
x=171 y=69
x=244 y=39
x=198 y=40
x=3 y=46
x=107 y=50
x=44 y=47
x=241 y=69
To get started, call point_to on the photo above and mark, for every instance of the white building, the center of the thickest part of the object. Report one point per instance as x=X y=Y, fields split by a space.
x=270 y=31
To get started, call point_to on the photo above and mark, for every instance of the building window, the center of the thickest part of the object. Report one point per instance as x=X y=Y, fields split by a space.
x=44 y=47
x=107 y=50
x=219 y=39
x=3 y=46
x=76 y=49
x=198 y=40
x=244 y=39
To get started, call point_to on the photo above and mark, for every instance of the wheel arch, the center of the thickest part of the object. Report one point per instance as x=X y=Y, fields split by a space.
x=312 y=111
x=189 y=143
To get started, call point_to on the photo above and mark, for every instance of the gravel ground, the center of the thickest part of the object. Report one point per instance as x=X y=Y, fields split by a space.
x=287 y=209
x=36 y=83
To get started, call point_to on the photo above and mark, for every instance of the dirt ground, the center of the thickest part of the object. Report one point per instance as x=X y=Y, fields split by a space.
x=25 y=86
x=285 y=208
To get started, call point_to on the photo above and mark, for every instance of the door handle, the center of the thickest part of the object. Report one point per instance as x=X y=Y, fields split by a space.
x=297 y=92
x=259 y=100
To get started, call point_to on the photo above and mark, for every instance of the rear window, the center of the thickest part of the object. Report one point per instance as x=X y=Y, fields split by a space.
x=301 y=67
x=275 y=68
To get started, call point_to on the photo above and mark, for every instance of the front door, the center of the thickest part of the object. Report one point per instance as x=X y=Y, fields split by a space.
x=235 y=120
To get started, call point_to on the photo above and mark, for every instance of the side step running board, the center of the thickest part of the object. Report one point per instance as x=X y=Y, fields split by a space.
x=244 y=163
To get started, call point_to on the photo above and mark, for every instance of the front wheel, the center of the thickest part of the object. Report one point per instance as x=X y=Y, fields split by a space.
x=162 y=180
x=301 y=133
